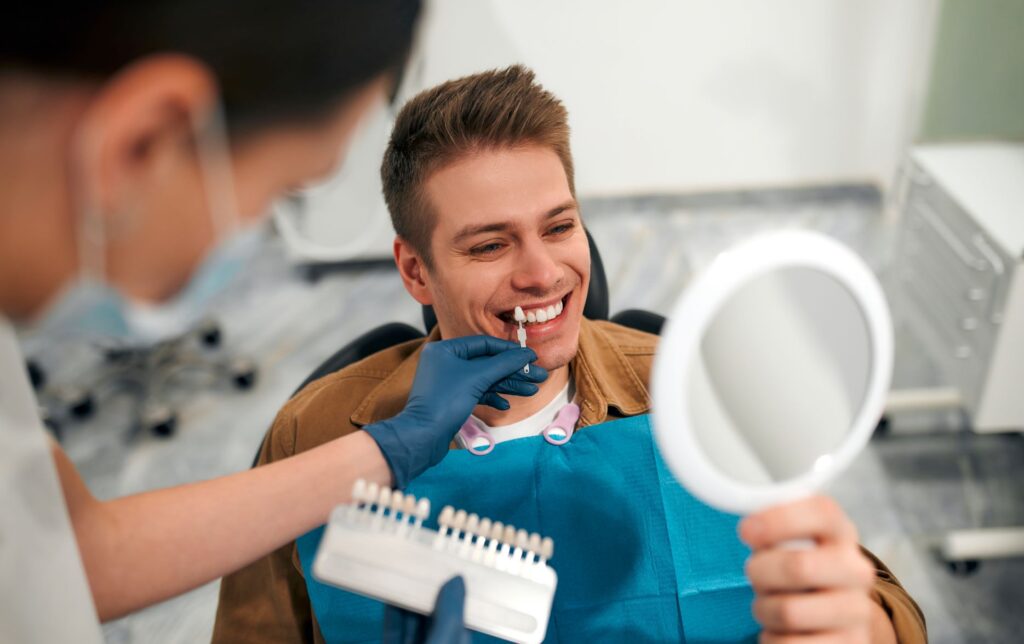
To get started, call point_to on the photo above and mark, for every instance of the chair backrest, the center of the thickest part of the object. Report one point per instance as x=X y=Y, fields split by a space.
x=596 y=306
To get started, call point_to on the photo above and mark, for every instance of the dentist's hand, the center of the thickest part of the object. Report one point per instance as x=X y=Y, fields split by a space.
x=452 y=378
x=816 y=594
x=444 y=627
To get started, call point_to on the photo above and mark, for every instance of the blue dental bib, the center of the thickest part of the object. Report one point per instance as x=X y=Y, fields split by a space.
x=638 y=559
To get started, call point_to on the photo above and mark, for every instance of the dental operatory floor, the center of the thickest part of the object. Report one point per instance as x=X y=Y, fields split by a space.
x=922 y=478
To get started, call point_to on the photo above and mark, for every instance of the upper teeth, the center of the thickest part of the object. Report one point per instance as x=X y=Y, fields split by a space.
x=538 y=315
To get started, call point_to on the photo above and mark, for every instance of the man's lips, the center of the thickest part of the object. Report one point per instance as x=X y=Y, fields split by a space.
x=508 y=316
x=536 y=330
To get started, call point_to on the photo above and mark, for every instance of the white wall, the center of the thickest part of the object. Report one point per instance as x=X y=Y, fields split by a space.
x=684 y=96
x=707 y=94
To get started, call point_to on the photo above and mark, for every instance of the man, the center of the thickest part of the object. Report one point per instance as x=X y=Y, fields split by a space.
x=478 y=178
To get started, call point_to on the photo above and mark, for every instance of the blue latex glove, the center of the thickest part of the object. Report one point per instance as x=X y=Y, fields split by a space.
x=444 y=627
x=452 y=378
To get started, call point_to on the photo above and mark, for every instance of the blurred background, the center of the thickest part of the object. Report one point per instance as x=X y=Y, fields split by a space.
x=897 y=128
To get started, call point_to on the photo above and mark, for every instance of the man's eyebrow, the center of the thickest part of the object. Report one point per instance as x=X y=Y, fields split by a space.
x=502 y=226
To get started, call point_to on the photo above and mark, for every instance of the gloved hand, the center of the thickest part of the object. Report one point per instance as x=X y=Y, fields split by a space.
x=444 y=627
x=452 y=378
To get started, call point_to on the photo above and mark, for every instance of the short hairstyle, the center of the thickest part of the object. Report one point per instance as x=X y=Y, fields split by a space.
x=275 y=61
x=494 y=109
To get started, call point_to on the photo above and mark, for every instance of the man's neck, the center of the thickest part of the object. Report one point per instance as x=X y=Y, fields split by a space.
x=522 y=407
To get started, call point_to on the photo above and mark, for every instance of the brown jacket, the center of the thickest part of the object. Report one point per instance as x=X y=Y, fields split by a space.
x=267 y=600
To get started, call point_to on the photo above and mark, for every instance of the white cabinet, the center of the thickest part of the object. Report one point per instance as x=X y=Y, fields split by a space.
x=959 y=272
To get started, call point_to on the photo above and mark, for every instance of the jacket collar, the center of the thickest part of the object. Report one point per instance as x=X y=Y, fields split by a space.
x=604 y=379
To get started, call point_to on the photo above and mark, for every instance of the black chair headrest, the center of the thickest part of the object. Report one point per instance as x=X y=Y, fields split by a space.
x=596 y=306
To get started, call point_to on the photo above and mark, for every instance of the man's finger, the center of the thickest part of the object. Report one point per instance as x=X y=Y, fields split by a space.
x=792 y=570
x=818 y=517
x=813 y=612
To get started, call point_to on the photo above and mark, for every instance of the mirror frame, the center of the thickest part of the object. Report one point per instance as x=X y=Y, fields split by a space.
x=681 y=342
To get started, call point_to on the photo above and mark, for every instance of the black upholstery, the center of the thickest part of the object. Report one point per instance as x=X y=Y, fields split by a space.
x=640 y=320
x=369 y=343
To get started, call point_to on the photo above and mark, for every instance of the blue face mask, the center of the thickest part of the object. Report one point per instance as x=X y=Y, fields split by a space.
x=89 y=307
x=92 y=309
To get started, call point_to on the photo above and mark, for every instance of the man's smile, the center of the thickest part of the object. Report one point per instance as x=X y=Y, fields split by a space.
x=543 y=317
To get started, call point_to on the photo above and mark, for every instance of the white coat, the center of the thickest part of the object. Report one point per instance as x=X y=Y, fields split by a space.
x=44 y=595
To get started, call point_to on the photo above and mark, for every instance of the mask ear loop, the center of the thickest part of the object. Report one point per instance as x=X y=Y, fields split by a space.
x=214 y=158
x=92 y=229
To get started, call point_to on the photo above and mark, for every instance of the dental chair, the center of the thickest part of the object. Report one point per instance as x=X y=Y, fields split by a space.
x=387 y=335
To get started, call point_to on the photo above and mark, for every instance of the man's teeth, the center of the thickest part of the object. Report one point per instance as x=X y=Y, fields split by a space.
x=539 y=316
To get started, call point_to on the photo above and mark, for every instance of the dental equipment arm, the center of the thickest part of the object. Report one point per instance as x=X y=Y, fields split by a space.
x=144 y=548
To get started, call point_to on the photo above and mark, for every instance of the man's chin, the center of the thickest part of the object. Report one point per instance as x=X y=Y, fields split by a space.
x=555 y=359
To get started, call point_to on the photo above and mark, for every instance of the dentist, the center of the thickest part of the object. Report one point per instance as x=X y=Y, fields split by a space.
x=136 y=138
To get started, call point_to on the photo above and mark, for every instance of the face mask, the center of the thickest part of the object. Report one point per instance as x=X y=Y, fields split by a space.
x=92 y=308
x=154 y=322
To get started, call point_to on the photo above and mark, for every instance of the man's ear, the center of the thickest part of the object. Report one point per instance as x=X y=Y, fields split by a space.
x=138 y=125
x=413 y=271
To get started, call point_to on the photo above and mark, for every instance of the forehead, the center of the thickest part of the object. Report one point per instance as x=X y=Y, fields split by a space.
x=514 y=185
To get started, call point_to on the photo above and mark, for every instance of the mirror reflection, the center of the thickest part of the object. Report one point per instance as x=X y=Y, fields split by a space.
x=781 y=373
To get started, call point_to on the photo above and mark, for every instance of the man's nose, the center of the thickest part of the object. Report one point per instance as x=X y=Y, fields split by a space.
x=537 y=269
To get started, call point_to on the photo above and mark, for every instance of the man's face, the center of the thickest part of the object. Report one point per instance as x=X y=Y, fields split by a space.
x=508 y=233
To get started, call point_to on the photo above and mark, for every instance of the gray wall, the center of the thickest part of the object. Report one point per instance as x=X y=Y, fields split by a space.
x=977 y=76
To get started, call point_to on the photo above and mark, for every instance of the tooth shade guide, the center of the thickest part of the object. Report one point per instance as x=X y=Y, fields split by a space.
x=389 y=560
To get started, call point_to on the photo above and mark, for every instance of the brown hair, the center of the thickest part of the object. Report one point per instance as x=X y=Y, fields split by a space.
x=493 y=109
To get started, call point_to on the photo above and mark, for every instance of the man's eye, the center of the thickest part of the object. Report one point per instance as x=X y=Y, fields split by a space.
x=486 y=249
x=561 y=229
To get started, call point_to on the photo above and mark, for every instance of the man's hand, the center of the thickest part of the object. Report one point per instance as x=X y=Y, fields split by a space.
x=818 y=592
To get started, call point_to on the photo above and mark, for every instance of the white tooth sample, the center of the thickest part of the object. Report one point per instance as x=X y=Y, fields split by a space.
x=559 y=307
x=531 y=317
x=519 y=315
x=552 y=312
x=542 y=315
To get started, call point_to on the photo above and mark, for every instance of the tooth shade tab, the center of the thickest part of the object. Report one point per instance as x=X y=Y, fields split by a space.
x=519 y=315
x=359 y=491
x=422 y=509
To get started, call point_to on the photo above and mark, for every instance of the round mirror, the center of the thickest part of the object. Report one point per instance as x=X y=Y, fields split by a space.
x=772 y=371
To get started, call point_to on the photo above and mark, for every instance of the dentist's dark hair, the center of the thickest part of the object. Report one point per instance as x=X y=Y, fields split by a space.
x=274 y=60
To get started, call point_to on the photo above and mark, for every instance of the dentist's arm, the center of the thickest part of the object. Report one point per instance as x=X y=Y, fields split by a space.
x=144 y=548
